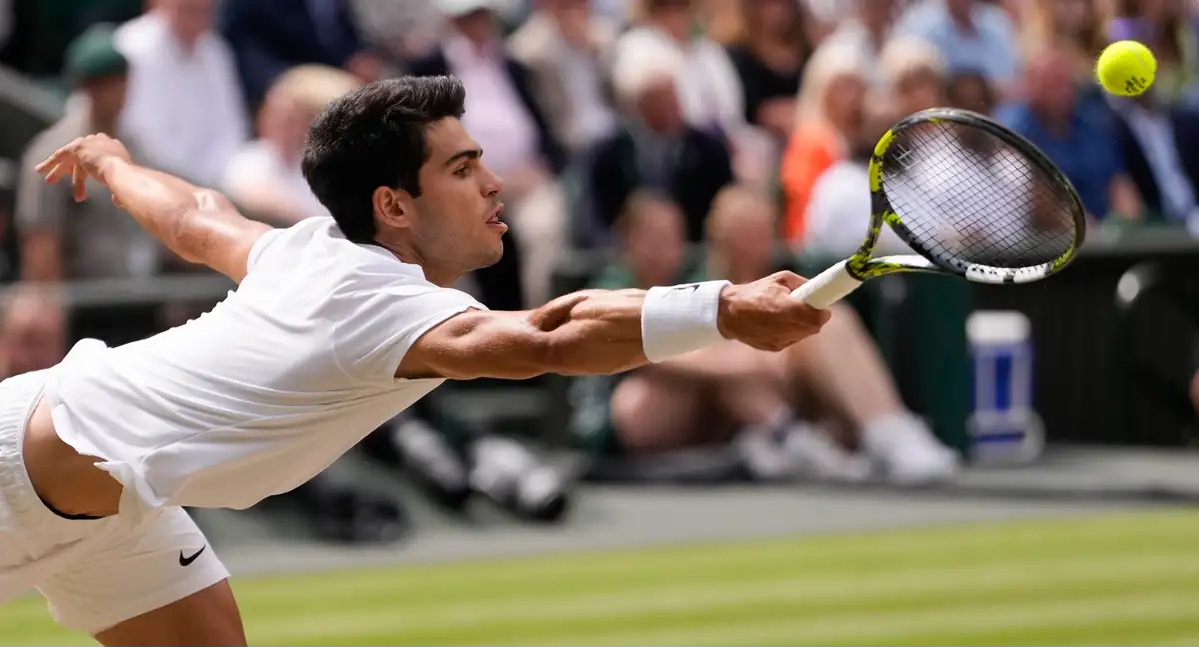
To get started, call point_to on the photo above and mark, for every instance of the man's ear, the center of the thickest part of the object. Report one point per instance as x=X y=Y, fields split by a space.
x=393 y=207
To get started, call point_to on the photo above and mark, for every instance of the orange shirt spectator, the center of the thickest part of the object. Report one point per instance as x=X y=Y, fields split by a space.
x=830 y=111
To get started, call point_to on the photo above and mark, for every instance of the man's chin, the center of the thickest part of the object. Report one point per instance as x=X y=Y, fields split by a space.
x=492 y=256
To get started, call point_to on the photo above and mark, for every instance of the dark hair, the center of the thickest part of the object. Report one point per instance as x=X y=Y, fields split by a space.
x=373 y=137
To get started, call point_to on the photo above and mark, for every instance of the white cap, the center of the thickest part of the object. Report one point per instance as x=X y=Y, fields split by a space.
x=454 y=8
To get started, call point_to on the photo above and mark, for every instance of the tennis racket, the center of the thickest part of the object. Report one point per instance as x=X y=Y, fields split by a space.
x=970 y=197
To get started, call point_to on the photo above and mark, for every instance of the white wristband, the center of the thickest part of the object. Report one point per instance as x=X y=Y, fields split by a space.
x=678 y=319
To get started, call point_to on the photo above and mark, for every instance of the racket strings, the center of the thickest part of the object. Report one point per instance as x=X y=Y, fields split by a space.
x=964 y=194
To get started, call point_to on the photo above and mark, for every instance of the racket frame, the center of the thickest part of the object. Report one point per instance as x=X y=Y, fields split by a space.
x=862 y=266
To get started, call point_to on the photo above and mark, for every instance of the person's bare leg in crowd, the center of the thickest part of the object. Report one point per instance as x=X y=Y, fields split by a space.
x=658 y=415
x=843 y=369
x=741 y=396
x=206 y=617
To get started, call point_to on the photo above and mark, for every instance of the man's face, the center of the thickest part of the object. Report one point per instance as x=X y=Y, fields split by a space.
x=456 y=221
x=33 y=335
x=107 y=95
x=655 y=246
x=189 y=19
x=477 y=26
x=660 y=109
x=1051 y=86
x=749 y=239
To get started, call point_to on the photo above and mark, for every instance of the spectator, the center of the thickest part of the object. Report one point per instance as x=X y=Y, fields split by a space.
x=402 y=30
x=867 y=30
x=60 y=238
x=264 y=176
x=769 y=51
x=709 y=90
x=971 y=34
x=969 y=90
x=837 y=378
x=1157 y=142
x=33 y=330
x=185 y=108
x=562 y=44
x=1081 y=141
x=1074 y=26
x=830 y=107
x=1166 y=27
x=655 y=149
x=755 y=399
x=504 y=116
x=707 y=398
x=912 y=77
x=270 y=37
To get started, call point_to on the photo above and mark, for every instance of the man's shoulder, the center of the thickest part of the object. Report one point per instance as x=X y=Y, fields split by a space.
x=316 y=247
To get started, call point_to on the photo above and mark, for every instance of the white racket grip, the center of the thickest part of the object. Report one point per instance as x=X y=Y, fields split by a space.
x=827 y=287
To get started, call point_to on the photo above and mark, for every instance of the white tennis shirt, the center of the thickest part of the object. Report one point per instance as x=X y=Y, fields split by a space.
x=262 y=393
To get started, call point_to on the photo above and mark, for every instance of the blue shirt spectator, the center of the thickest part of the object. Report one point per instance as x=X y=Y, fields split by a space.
x=971 y=35
x=1085 y=149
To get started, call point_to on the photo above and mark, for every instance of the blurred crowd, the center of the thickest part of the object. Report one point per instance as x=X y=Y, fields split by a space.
x=675 y=138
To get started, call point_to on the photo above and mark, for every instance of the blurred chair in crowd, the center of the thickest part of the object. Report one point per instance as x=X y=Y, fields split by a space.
x=769 y=46
x=264 y=176
x=655 y=148
x=971 y=34
x=1080 y=138
x=780 y=410
x=830 y=109
x=185 y=108
x=33 y=329
x=61 y=239
x=270 y=37
x=503 y=115
x=564 y=46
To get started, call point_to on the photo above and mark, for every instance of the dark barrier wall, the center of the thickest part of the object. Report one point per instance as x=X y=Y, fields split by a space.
x=1087 y=388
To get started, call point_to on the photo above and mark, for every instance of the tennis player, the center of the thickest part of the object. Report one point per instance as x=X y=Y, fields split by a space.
x=337 y=325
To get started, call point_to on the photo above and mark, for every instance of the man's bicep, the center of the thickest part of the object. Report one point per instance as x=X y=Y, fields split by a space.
x=477 y=343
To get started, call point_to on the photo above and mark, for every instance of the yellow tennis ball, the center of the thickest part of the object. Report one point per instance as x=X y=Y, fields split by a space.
x=1126 y=68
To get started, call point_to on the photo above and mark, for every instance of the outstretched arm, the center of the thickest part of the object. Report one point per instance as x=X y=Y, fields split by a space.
x=603 y=332
x=200 y=225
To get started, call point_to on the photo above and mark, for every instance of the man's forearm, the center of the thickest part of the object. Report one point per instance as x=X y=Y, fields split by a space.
x=160 y=202
x=610 y=332
x=593 y=332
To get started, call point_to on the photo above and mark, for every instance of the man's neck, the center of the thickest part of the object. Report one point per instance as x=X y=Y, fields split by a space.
x=439 y=276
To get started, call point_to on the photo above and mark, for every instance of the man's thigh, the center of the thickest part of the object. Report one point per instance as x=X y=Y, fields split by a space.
x=134 y=571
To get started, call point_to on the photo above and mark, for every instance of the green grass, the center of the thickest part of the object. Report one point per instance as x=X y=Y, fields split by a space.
x=1126 y=579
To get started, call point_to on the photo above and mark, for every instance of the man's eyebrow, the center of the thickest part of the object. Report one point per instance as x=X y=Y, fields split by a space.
x=470 y=153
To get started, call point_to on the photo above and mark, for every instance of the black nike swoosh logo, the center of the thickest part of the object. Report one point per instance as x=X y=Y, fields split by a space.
x=186 y=561
x=691 y=286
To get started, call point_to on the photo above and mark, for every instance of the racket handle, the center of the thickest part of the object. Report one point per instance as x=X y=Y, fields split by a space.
x=828 y=287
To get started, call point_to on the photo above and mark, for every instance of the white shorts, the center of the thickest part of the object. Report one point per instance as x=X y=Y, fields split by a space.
x=94 y=573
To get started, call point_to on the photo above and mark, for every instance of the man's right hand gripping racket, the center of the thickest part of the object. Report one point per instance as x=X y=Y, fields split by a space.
x=971 y=197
